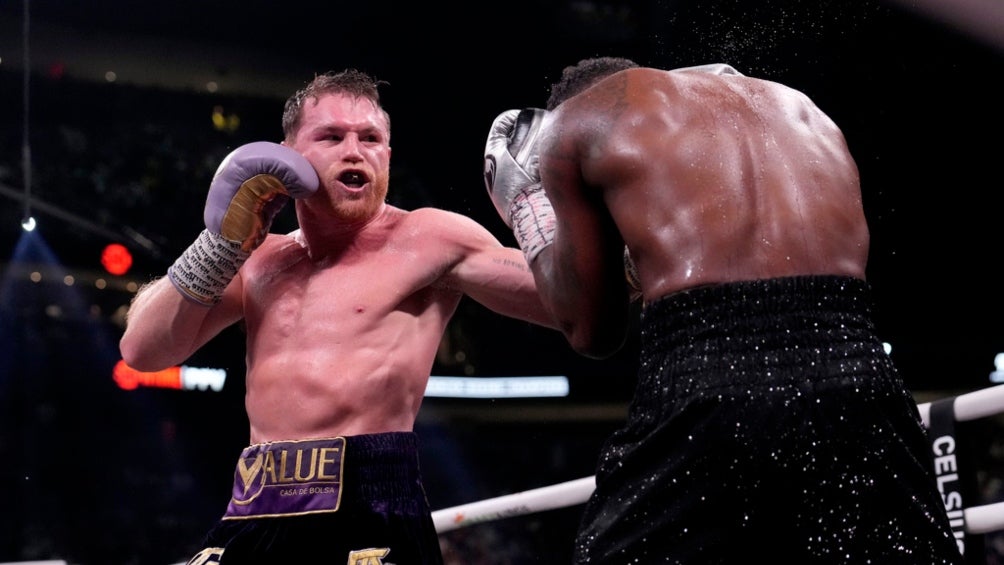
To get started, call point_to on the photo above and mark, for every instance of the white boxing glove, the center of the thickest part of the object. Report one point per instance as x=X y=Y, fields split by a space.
x=513 y=180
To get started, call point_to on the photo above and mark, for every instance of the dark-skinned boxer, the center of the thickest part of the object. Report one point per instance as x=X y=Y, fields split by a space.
x=767 y=423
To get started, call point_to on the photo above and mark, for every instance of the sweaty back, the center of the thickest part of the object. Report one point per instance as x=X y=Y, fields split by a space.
x=716 y=178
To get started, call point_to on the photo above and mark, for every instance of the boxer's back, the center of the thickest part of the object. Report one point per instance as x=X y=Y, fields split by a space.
x=713 y=178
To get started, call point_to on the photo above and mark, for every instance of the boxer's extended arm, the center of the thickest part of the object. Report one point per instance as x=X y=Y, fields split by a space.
x=476 y=264
x=498 y=278
x=171 y=318
x=584 y=306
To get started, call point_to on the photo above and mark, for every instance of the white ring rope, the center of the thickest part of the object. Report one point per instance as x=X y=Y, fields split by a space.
x=969 y=406
x=527 y=502
x=972 y=405
x=986 y=518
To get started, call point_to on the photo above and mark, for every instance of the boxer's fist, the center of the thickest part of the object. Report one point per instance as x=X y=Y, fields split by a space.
x=513 y=179
x=251 y=185
x=511 y=158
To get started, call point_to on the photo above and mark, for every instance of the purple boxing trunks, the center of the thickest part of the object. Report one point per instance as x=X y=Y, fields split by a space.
x=352 y=499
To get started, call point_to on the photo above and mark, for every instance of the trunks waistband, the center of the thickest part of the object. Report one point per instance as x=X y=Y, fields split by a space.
x=754 y=331
x=760 y=305
x=296 y=477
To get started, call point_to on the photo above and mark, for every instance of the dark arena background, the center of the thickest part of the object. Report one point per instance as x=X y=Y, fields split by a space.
x=115 y=114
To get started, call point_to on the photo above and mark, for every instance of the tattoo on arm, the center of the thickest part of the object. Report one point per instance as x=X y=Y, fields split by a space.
x=510 y=263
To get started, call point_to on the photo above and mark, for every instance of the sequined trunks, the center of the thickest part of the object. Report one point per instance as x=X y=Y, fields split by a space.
x=768 y=422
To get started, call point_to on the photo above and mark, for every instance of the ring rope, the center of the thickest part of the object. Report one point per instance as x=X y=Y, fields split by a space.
x=972 y=405
x=969 y=406
x=535 y=500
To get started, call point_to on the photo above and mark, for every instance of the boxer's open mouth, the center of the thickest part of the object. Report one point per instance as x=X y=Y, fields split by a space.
x=353 y=179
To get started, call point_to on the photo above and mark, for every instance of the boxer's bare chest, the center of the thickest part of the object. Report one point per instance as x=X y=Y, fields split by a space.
x=286 y=285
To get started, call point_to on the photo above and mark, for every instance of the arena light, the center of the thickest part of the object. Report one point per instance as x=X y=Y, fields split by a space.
x=177 y=377
x=497 y=387
x=997 y=375
x=194 y=378
x=116 y=259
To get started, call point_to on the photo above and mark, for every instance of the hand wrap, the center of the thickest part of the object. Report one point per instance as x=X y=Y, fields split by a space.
x=205 y=269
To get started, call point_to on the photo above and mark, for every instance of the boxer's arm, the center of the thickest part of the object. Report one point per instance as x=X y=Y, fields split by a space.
x=164 y=329
x=583 y=289
x=491 y=274
x=171 y=318
x=582 y=275
x=498 y=278
x=581 y=280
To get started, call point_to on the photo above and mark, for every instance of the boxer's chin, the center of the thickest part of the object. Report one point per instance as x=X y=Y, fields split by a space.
x=361 y=206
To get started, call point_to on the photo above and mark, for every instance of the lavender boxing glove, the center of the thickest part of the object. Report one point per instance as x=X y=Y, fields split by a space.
x=250 y=187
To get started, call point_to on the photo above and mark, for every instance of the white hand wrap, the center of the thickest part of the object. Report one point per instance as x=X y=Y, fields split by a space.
x=533 y=221
x=205 y=269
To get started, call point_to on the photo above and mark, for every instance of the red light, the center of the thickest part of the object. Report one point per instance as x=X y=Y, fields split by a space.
x=130 y=379
x=57 y=70
x=116 y=259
